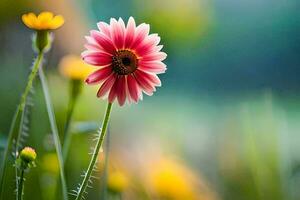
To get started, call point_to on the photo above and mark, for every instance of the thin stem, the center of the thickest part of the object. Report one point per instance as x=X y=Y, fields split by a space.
x=88 y=173
x=20 y=186
x=67 y=135
x=75 y=91
x=17 y=151
x=18 y=137
x=54 y=132
x=19 y=110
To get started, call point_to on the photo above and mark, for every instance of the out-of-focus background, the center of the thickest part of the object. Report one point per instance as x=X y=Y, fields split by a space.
x=224 y=125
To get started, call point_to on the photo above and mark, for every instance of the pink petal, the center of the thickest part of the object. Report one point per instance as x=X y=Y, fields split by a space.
x=133 y=88
x=140 y=34
x=156 y=67
x=96 y=58
x=158 y=48
x=145 y=84
x=122 y=25
x=129 y=34
x=99 y=75
x=152 y=78
x=104 y=28
x=121 y=90
x=113 y=91
x=107 y=85
x=91 y=40
x=103 y=41
x=148 y=45
x=158 y=56
x=93 y=47
x=155 y=49
x=118 y=32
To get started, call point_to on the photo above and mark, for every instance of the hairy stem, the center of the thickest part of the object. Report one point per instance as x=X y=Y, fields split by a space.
x=20 y=110
x=16 y=154
x=20 y=186
x=88 y=173
x=54 y=130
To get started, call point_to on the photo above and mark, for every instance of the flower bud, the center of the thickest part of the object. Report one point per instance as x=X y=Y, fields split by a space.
x=28 y=155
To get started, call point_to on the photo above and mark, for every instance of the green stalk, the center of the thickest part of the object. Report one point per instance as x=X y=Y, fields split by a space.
x=67 y=135
x=20 y=110
x=20 y=186
x=54 y=131
x=16 y=153
x=88 y=173
x=76 y=86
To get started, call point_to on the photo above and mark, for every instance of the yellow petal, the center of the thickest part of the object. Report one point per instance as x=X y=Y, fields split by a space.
x=45 y=16
x=29 y=20
x=57 y=22
x=33 y=18
x=26 y=21
x=44 y=20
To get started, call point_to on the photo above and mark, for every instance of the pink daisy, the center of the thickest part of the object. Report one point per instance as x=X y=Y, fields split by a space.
x=129 y=59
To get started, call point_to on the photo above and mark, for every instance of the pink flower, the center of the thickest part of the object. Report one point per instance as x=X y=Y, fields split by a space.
x=129 y=60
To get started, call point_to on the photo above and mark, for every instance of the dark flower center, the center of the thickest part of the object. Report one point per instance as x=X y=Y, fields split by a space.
x=124 y=62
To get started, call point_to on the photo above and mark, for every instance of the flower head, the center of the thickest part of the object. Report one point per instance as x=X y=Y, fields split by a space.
x=28 y=155
x=44 y=21
x=73 y=67
x=129 y=60
x=50 y=163
x=171 y=180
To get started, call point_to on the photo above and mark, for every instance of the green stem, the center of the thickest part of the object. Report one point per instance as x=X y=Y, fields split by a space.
x=67 y=135
x=54 y=132
x=20 y=109
x=17 y=151
x=75 y=91
x=20 y=186
x=88 y=173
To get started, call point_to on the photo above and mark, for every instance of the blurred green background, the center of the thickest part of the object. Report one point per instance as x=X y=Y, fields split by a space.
x=228 y=111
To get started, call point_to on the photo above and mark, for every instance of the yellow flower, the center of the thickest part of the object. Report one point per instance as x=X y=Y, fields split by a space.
x=50 y=163
x=73 y=67
x=44 y=21
x=170 y=180
x=117 y=181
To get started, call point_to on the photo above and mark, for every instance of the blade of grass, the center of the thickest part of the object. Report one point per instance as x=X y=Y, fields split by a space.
x=53 y=125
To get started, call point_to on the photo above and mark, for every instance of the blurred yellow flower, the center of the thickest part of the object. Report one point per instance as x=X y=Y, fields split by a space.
x=50 y=163
x=117 y=181
x=44 y=21
x=73 y=67
x=170 y=180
